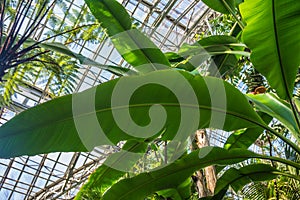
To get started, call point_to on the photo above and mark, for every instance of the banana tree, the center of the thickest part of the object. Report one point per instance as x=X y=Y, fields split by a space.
x=165 y=103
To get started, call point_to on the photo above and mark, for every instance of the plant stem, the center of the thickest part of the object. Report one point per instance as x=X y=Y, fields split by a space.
x=2 y=7
x=277 y=159
x=241 y=24
x=295 y=113
x=288 y=175
x=273 y=165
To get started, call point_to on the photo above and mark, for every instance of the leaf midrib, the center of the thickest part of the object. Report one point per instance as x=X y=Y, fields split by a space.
x=281 y=64
x=278 y=48
x=179 y=105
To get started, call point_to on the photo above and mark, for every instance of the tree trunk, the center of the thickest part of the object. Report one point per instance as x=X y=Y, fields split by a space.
x=200 y=184
x=209 y=172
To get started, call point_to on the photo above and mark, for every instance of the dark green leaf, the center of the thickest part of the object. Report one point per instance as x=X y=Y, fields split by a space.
x=238 y=178
x=179 y=62
x=221 y=6
x=238 y=2
x=174 y=57
x=223 y=64
x=183 y=191
x=136 y=48
x=275 y=107
x=111 y=14
x=174 y=174
x=81 y=121
x=273 y=35
x=224 y=51
x=218 y=40
x=246 y=137
x=169 y=194
x=114 y=167
x=218 y=196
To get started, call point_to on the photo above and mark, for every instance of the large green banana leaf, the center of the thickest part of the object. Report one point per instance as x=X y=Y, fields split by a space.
x=183 y=191
x=118 y=164
x=269 y=103
x=218 y=40
x=246 y=137
x=214 y=45
x=224 y=51
x=114 y=167
x=111 y=14
x=174 y=174
x=97 y=114
x=223 y=63
x=238 y=178
x=273 y=35
x=137 y=49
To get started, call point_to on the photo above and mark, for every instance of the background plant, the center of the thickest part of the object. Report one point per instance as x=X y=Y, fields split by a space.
x=26 y=61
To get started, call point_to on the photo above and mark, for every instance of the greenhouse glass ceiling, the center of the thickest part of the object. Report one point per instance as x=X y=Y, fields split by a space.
x=169 y=23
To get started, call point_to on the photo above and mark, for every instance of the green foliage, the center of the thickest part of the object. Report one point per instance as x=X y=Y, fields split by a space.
x=222 y=25
x=272 y=34
x=108 y=13
x=137 y=49
x=19 y=136
x=52 y=62
x=222 y=6
x=255 y=191
x=224 y=51
x=282 y=188
x=113 y=168
x=244 y=138
x=90 y=31
x=279 y=109
x=59 y=71
x=237 y=178
x=13 y=80
x=63 y=49
x=183 y=191
x=174 y=174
